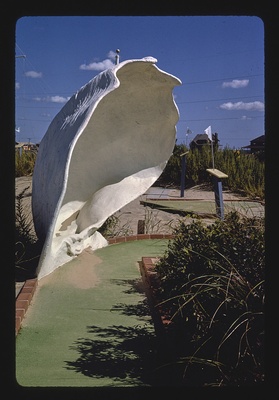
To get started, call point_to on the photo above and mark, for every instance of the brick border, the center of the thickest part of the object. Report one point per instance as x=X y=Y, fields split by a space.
x=26 y=293
x=143 y=236
x=23 y=301
x=151 y=280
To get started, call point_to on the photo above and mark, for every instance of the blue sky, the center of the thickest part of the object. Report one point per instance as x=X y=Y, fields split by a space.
x=219 y=59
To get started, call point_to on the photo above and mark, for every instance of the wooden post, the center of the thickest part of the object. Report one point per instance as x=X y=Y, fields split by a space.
x=217 y=181
x=183 y=172
x=141 y=227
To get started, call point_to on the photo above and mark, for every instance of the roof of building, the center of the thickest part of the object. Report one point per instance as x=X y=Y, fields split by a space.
x=253 y=143
x=21 y=144
x=201 y=137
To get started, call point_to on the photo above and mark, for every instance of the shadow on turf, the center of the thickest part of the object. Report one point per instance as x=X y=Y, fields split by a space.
x=127 y=355
x=124 y=354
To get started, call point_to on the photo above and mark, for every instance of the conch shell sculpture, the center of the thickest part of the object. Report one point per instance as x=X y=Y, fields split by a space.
x=107 y=146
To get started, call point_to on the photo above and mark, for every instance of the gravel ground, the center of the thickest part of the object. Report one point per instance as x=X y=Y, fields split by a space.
x=127 y=218
x=126 y=221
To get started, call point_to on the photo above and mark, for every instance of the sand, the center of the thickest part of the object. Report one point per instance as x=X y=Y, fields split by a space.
x=80 y=272
x=127 y=218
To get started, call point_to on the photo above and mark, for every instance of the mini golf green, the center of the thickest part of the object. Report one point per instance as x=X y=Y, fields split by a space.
x=89 y=322
x=206 y=207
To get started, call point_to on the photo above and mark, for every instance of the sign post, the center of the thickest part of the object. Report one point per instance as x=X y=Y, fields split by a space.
x=183 y=172
x=217 y=181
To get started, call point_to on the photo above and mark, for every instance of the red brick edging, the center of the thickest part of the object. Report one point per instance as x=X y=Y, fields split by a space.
x=151 y=279
x=25 y=296
x=143 y=236
x=23 y=300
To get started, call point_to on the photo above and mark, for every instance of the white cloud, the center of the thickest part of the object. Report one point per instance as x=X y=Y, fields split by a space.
x=236 y=83
x=111 y=55
x=33 y=74
x=58 y=99
x=244 y=118
x=100 y=65
x=52 y=99
x=97 y=66
x=17 y=85
x=240 y=105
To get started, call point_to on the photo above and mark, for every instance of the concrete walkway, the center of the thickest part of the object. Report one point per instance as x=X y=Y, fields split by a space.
x=89 y=323
x=206 y=208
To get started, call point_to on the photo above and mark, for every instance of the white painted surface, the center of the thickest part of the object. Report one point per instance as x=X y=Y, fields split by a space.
x=107 y=146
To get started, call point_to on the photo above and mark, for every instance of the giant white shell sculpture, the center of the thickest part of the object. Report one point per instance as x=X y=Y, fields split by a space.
x=107 y=146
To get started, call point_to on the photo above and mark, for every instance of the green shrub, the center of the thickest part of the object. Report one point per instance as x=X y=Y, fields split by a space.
x=212 y=287
x=246 y=172
x=172 y=171
x=112 y=227
x=24 y=163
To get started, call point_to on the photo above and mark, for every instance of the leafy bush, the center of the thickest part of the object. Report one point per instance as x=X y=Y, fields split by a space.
x=212 y=287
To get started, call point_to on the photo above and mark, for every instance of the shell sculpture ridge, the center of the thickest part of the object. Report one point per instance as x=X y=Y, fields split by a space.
x=108 y=144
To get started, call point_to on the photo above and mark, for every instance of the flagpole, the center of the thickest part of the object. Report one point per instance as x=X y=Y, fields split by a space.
x=207 y=131
x=212 y=152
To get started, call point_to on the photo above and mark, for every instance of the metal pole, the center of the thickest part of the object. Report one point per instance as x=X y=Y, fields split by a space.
x=217 y=182
x=188 y=132
x=117 y=56
x=212 y=152
x=183 y=173
x=218 y=197
x=183 y=170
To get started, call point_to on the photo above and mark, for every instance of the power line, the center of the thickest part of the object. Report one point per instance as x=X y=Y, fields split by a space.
x=54 y=107
x=217 y=119
x=221 y=79
x=186 y=83
x=224 y=99
x=49 y=93
x=177 y=102
x=33 y=119
x=34 y=68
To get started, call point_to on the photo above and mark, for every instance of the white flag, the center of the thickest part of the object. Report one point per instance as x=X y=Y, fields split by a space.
x=208 y=132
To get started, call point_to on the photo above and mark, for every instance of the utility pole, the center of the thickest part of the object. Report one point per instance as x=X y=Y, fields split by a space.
x=20 y=56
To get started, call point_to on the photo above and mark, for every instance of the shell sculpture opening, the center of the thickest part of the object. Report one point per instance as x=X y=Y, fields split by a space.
x=107 y=146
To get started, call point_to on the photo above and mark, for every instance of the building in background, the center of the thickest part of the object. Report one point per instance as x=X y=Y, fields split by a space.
x=256 y=145
x=27 y=147
x=202 y=139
